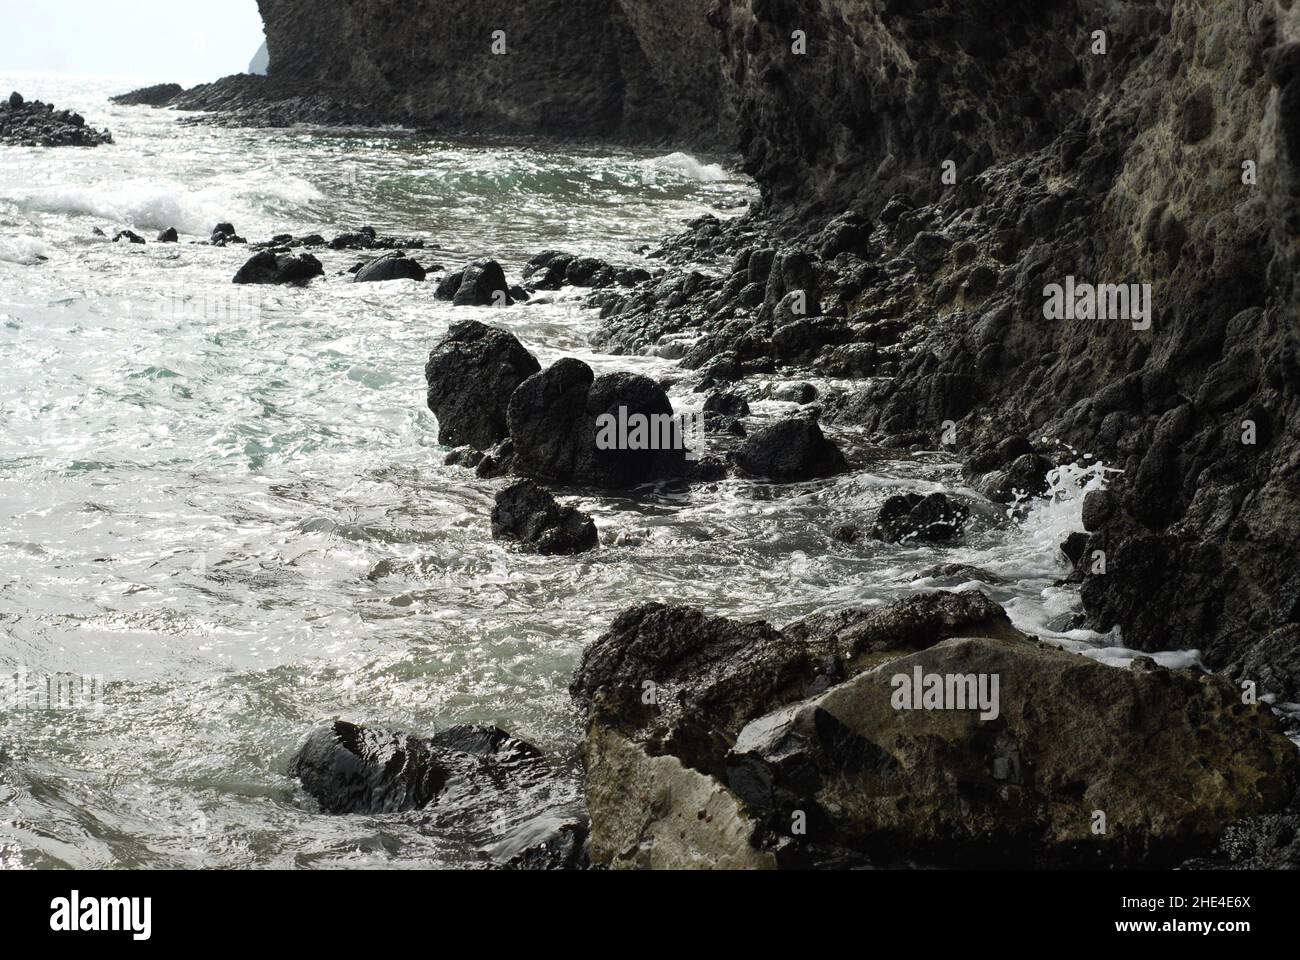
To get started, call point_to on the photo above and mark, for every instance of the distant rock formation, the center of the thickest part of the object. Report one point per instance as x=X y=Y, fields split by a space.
x=158 y=95
x=626 y=71
x=32 y=123
x=261 y=64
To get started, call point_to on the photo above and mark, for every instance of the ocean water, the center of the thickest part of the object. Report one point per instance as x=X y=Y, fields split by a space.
x=225 y=518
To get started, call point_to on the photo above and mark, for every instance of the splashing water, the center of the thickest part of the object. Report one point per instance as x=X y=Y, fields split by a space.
x=229 y=508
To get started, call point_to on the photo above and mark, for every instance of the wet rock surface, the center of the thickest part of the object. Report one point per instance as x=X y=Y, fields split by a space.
x=25 y=123
x=714 y=742
x=392 y=266
x=530 y=516
x=913 y=517
x=349 y=769
x=459 y=784
x=472 y=374
x=794 y=449
x=614 y=431
x=267 y=268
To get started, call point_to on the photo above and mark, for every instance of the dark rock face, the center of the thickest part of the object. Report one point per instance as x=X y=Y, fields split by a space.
x=727 y=405
x=158 y=95
x=351 y=770
x=794 y=449
x=367 y=238
x=557 y=419
x=465 y=782
x=1272 y=665
x=472 y=374
x=910 y=516
x=1112 y=169
x=528 y=515
x=553 y=269
x=391 y=266
x=624 y=70
x=267 y=268
x=482 y=284
x=223 y=234
x=25 y=123
x=736 y=745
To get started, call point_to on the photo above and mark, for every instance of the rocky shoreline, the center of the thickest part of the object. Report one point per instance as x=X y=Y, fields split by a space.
x=37 y=124
x=1067 y=246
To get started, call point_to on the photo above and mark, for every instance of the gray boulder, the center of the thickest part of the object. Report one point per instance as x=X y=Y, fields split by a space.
x=718 y=744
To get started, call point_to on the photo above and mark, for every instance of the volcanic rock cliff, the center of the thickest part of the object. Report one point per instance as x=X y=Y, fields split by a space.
x=1147 y=142
x=930 y=170
x=631 y=71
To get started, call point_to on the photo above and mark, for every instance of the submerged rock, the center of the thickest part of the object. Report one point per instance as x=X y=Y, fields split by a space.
x=130 y=236
x=528 y=515
x=349 y=769
x=472 y=374
x=268 y=268
x=715 y=743
x=548 y=270
x=958 y=573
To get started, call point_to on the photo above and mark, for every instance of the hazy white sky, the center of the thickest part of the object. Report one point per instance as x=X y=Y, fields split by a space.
x=186 y=41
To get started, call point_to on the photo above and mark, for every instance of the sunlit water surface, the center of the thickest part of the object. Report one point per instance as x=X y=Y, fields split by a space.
x=231 y=505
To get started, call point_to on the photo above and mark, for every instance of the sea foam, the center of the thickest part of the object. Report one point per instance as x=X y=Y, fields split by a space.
x=23 y=249
x=688 y=168
x=159 y=204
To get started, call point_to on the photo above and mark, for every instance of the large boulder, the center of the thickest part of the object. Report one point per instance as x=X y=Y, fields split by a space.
x=349 y=769
x=472 y=373
x=528 y=515
x=268 y=268
x=556 y=420
x=791 y=450
x=482 y=284
x=391 y=266
x=713 y=743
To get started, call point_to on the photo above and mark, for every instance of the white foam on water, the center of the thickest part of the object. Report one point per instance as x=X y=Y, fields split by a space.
x=687 y=167
x=22 y=249
x=148 y=204
x=1048 y=523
